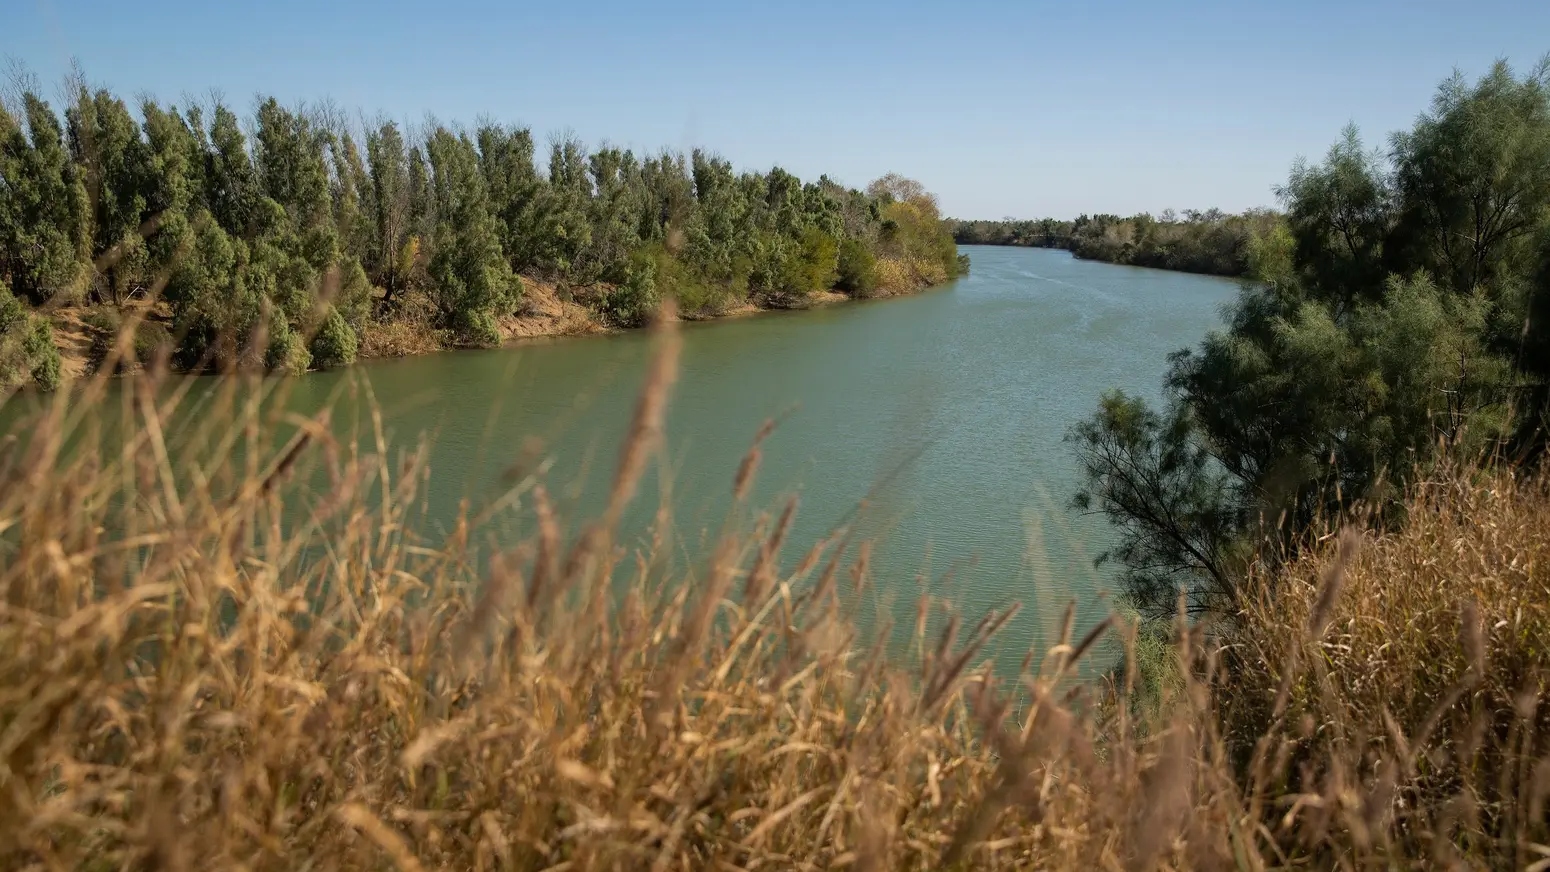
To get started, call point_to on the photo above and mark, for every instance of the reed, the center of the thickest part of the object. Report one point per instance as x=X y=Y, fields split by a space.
x=214 y=664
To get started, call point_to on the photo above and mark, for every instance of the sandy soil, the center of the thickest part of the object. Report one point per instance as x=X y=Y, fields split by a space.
x=544 y=313
x=74 y=339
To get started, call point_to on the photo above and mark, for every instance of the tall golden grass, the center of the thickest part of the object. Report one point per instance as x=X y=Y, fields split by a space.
x=215 y=663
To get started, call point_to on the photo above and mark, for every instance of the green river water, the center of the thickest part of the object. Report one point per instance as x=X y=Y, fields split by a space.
x=948 y=407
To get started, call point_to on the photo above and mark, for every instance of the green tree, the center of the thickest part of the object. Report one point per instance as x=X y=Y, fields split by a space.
x=173 y=186
x=390 y=257
x=422 y=206
x=44 y=215
x=292 y=170
x=562 y=220
x=231 y=182
x=667 y=189
x=112 y=164
x=857 y=268
x=351 y=189
x=1339 y=215
x=515 y=191
x=472 y=282
x=618 y=210
x=1376 y=330
x=1473 y=179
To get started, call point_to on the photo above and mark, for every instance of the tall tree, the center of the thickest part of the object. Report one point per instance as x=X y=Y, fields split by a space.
x=1388 y=319
x=565 y=220
x=473 y=284
x=291 y=167
x=44 y=215
x=517 y=195
x=231 y=182
x=174 y=184
x=391 y=255
x=617 y=212
x=1473 y=176
x=351 y=188
x=111 y=161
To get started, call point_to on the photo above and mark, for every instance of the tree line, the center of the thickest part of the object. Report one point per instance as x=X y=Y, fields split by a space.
x=279 y=240
x=1211 y=242
x=1399 y=314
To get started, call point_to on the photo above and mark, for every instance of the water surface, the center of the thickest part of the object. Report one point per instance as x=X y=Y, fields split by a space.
x=947 y=408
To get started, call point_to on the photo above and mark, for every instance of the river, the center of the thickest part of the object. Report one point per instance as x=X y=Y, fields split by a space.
x=948 y=407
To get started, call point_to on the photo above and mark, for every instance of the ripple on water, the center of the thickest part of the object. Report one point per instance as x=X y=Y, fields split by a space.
x=957 y=398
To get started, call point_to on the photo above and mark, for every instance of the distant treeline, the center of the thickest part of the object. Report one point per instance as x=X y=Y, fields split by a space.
x=1210 y=242
x=308 y=229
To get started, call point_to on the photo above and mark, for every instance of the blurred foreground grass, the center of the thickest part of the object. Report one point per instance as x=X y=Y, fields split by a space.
x=216 y=663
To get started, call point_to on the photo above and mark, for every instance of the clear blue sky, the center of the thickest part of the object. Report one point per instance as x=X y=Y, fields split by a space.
x=1003 y=108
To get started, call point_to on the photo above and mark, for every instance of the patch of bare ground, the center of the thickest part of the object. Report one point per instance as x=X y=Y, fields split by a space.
x=545 y=312
x=743 y=308
x=81 y=333
x=74 y=338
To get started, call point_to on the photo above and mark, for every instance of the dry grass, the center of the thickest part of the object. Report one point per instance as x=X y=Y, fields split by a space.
x=410 y=331
x=906 y=275
x=894 y=276
x=208 y=661
x=1416 y=699
x=398 y=339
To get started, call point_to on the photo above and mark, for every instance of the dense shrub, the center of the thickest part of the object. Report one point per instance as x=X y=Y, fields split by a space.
x=287 y=349
x=477 y=329
x=28 y=356
x=857 y=269
x=633 y=302
x=335 y=343
x=287 y=212
x=41 y=355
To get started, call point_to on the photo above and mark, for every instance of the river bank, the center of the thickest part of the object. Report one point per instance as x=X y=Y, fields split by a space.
x=1210 y=243
x=333 y=239
x=547 y=311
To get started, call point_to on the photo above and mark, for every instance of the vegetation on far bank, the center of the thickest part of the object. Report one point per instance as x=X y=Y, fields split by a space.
x=1210 y=242
x=324 y=236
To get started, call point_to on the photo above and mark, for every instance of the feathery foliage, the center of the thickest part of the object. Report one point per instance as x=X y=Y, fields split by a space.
x=1398 y=310
x=299 y=230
